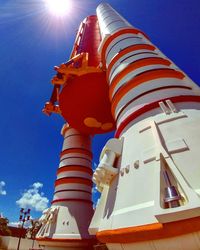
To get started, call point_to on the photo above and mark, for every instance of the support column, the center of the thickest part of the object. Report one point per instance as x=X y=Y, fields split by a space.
x=65 y=223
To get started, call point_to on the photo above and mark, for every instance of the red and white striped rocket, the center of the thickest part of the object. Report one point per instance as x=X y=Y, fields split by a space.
x=149 y=173
x=66 y=222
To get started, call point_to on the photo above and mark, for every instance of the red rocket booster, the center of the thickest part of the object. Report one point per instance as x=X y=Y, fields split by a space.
x=87 y=40
x=84 y=83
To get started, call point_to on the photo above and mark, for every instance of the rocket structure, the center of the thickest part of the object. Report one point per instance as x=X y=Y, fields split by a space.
x=65 y=223
x=149 y=174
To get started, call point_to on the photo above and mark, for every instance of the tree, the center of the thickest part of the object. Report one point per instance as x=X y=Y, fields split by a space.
x=4 y=230
x=35 y=227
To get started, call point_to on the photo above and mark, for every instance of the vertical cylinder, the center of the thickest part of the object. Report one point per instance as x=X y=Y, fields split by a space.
x=157 y=111
x=139 y=75
x=67 y=221
x=75 y=171
x=86 y=84
x=88 y=39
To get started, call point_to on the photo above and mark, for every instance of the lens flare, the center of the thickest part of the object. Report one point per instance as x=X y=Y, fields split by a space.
x=59 y=8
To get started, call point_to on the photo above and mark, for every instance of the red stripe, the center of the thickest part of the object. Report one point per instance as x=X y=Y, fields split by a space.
x=126 y=51
x=77 y=180
x=76 y=150
x=85 y=241
x=63 y=200
x=75 y=168
x=73 y=190
x=148 y=92
x=151 y=106
x=115 y=35
x=150 y=232
x=143 y=78
x=76 y=157
x=136 y=65
x=72 y=135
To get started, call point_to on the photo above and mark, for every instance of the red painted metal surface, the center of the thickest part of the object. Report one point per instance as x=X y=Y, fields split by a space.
x=84 y=100
x=90 y=39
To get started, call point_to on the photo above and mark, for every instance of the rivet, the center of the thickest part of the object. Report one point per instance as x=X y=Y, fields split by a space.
x=136 y=164
x=122 y=171
x=127 y=168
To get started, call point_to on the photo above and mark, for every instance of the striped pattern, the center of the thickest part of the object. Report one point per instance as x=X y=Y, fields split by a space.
x=139 y=75
x=74 y=173
x=126 y=121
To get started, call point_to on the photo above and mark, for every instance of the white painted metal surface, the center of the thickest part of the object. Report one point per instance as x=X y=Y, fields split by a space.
x=161 y=137
x=65 y=223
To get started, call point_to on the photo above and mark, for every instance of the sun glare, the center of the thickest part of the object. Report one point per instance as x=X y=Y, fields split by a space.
x=59 y=8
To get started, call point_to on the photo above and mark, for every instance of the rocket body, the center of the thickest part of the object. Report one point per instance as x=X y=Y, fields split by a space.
x=80 y=99
x=148 y=175
x=156 y=108
x=139 y=75
x=66 y=222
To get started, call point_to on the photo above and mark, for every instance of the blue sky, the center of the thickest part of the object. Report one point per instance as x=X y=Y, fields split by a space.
x=31 y=42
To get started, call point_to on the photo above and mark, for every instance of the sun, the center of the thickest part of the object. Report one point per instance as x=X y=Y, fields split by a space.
x=59 y=8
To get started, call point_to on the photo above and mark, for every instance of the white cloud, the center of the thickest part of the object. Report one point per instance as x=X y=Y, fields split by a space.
x=27 y=224
x=37 y=185
x=33 y=199
x=2 y=185
x=94 y=190
x=14 y=224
